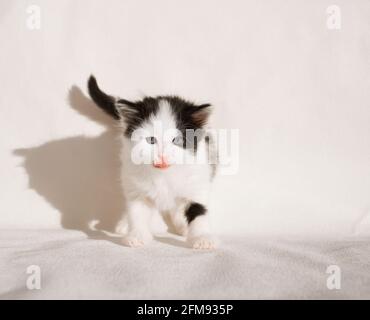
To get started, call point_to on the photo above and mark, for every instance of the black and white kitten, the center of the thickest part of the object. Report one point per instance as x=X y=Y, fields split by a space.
x=164 y=164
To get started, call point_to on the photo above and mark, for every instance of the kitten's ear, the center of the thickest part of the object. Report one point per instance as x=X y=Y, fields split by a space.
x=201 y=114
x=127 y=109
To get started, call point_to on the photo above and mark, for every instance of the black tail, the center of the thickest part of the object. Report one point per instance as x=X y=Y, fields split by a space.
x=102 y=100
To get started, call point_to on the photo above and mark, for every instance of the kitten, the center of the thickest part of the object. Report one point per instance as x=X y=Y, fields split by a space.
x=158 y=134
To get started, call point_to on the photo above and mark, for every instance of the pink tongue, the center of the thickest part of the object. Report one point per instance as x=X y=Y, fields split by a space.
x=161 y=165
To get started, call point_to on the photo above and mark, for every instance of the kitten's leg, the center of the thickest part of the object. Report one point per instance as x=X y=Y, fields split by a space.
x=139 y=214
x=199 y=235
x=176 y=220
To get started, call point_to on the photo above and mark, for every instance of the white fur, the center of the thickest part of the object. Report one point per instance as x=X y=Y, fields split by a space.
x=148 y=189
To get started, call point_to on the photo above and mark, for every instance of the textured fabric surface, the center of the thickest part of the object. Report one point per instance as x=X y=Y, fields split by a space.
x=79 y=267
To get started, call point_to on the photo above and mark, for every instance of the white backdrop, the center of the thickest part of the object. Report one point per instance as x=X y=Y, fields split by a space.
x=297 y=91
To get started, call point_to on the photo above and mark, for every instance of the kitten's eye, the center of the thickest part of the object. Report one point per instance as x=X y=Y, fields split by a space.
x=151 y=140
x=178 y=141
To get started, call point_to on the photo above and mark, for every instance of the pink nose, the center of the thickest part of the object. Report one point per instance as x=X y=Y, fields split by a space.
x=161 y=164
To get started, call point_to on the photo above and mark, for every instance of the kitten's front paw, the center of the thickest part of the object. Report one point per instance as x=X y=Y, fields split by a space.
x=136 y=240
x=202 y=243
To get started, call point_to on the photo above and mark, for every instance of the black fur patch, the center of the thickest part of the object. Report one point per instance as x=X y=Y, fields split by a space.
x=190 y=118
x=194 y=210
x=133 y=113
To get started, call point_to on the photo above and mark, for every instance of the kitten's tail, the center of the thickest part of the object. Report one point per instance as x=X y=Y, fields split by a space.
x=105 y=102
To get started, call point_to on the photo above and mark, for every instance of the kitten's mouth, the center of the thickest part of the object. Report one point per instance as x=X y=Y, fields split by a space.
x=161 y=165
x=161 y=162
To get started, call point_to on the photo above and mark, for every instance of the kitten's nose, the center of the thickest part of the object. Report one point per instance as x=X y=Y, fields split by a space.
x=162 y=163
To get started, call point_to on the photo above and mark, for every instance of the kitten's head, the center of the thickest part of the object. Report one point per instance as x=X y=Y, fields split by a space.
x=161 y=130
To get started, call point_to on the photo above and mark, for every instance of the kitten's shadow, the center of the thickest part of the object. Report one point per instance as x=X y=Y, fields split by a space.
x=79 y=176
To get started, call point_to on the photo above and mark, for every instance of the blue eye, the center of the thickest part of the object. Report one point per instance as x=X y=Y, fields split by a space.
x=151 y=140
x=178 y=140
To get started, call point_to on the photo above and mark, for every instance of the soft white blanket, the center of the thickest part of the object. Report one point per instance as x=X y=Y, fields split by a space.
x=74 y=266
